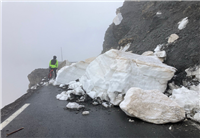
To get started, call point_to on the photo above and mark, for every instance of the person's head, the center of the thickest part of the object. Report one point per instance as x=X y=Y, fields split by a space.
x=54 y=57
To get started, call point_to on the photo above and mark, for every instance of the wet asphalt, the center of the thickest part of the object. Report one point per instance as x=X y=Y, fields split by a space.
x=47 y=117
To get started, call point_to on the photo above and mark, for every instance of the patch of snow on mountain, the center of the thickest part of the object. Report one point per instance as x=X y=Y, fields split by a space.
x=117 y=20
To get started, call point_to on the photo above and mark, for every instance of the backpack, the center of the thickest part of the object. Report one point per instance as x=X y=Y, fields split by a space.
x=53 y=61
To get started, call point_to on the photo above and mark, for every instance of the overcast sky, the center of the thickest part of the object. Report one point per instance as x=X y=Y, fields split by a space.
x=33 y=32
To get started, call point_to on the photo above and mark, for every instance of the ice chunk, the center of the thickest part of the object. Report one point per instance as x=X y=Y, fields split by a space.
x=148 y=53
x=61 y=85
x=63 y=96
x=197 y=117
x=130 y=120
x=52 y=81
x=74 y=85
x=126 y=47
x=188 y=99
x=117 y=20
x=105 y=104
x=193 y=71
x=151 y=106
x=117 y=71
x=183 y=23
x=158 y=48
x=74 y=105
x=70 y=73
x=85 y=112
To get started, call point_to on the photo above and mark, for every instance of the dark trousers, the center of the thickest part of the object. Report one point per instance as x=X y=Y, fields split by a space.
x=54 y=70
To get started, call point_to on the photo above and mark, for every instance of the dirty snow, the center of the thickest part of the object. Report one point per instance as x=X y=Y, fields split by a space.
x=172 y=38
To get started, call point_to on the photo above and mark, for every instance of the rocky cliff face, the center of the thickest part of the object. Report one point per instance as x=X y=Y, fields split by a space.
x=148 y=24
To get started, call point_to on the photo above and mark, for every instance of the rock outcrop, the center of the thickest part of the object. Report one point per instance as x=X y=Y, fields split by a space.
x=148 y=24
x=36 y=76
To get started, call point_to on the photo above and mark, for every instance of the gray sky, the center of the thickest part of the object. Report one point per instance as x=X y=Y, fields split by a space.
x=32 y=32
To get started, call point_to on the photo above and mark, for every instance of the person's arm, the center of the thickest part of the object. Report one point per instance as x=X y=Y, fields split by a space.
x=56 y=63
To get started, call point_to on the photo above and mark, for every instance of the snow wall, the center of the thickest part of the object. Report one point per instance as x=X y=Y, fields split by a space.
x=111 y=74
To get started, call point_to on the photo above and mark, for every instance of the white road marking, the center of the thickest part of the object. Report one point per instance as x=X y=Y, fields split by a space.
x=8 y=120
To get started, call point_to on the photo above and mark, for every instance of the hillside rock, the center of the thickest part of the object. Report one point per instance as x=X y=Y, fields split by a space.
x=36 y=76
x=148 y=24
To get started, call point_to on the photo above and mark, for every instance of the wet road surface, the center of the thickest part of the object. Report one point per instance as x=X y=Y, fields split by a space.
x=47 y=117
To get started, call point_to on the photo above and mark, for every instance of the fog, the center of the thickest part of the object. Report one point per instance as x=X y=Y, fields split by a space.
x=33 y=32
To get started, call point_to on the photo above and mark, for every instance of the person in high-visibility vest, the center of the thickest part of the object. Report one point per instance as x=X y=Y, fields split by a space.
x=53 y=64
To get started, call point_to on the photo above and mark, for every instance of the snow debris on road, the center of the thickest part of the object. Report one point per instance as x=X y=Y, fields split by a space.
x=151 y=106
x=183 y=23
x=109 y=77
x=106 y=105
x=130 y=120
x=85 y=112
x=61 y=85
x=65 y=95
x=74 y=105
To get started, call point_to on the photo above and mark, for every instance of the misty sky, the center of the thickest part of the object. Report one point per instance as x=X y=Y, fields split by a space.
x=32 y=32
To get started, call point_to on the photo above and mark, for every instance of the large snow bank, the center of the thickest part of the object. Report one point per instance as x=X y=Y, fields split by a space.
x=151 y=106
x=111 y=74
x=71 y=73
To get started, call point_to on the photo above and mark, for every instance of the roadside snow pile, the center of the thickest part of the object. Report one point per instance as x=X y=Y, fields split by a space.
x=111 y=74
x=71 y=73
x=74 y=105
x=151 y=106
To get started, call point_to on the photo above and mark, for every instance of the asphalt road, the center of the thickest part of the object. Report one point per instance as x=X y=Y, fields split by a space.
x=47 y=117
